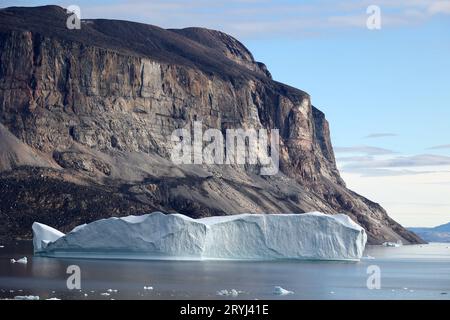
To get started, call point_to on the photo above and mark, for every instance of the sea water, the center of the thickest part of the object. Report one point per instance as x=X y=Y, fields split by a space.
x=408 y=272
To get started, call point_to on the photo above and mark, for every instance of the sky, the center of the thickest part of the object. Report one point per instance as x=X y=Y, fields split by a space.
x=385 y=92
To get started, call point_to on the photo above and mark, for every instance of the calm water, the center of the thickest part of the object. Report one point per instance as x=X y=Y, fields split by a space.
x=410 y=272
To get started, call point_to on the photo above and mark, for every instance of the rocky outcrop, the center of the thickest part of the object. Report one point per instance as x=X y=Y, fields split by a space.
x=95 y=109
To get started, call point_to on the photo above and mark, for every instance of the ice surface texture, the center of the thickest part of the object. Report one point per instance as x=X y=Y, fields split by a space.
x=314 y=236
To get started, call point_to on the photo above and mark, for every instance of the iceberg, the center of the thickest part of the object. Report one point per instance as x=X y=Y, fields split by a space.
x=157 y=236
x=279 y=291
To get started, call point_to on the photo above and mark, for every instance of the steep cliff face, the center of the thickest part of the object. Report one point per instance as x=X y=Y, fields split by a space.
x=88 y=116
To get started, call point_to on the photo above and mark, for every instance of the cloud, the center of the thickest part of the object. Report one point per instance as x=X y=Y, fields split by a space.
x=423 y=160
x=439 y=7
x=380 y=135
x=367 y=150
x=440 y=147
x=377 y=172
x=375 y=161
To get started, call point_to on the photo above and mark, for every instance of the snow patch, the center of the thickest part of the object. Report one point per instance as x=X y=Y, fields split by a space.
x=310 y=236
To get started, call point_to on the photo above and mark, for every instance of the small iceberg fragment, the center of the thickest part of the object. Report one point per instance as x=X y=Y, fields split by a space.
x=397 y=244
x=148 y=288
x=1 y=247
x=105 y=294
x=23 y=260
x=279 y=291
x=229 y=293
x=156 y=236
x=112 y=291
x=26 y=298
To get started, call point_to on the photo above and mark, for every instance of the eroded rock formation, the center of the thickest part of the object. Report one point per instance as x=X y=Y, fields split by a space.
x=86 y=117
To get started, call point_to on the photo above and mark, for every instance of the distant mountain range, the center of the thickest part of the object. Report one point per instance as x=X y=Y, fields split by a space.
x=437 y=234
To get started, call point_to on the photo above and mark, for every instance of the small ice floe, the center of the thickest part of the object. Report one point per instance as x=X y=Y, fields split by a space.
x=24 y=260
x=85 y=294
x=332 y=292
x=149 y=288
x=1 y=247
x=279 y=291
x=228 y=293
x=105 y=294
x=368 y=258
x=397 y=244
x=26 y=298
x=112 y=291
x=53 y=299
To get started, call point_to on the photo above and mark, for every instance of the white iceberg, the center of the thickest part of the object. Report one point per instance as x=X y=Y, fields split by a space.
x=229 y=293
x=309 y=236
x=26 y=298
x=23 y=260
x=397 y=244
x=279 y=291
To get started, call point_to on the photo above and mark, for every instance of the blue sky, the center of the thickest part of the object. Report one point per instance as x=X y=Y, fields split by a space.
x=385 y=92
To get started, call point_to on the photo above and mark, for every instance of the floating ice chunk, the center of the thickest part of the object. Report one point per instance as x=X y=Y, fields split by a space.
x=397 y=244
x=53 y=299
x=229 y=293
x=105 y=294
x=148 y=288
x=1 y=247
x=279 y=291
x=23 y=260
x=26 y=298
x=312 y=236
x=112 y=291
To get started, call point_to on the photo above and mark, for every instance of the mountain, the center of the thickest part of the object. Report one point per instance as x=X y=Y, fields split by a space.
x=87 y=117
x=437 y=234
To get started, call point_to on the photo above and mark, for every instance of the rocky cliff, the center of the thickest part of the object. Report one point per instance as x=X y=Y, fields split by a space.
x=86 y=117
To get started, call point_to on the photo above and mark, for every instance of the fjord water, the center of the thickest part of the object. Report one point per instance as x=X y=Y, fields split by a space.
x=409 y=272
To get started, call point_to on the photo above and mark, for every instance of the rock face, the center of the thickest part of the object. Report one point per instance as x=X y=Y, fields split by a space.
x=89 y=113
x=311 y=236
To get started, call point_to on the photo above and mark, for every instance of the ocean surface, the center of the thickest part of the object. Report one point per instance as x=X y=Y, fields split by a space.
x=409 y=272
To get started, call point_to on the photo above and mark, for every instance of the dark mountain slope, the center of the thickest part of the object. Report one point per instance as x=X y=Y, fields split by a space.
x=91 y=112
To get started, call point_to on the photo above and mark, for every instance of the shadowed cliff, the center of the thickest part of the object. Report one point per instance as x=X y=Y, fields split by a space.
x=86 y=117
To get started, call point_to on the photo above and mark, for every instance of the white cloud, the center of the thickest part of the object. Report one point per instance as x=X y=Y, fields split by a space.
x=439 y=7
x=440 y=147
x=410 y=199
x=367 y=150
x=380 y=135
